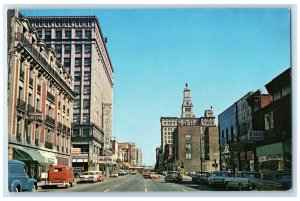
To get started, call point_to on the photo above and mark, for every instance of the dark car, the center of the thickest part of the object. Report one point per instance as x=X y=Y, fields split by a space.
x=173 y=176
x=200 y=178
x=274 y=181
x=18 y=180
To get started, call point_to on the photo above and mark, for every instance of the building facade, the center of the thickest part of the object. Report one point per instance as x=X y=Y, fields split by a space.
x=81 y=47
x=189 y=143
x=274 y=121
x=40 y=100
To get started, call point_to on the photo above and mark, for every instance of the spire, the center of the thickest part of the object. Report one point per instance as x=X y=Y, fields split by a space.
x=187 y=106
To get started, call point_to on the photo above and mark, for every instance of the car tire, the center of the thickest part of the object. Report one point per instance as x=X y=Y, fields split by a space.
x=227 y=186
x=33 y=189
x=241 y=187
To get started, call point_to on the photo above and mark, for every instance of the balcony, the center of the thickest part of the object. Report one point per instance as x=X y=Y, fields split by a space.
x=30 y=108
x=59 y=126
x=49 y=145
x=50 y=120
x=21 y=105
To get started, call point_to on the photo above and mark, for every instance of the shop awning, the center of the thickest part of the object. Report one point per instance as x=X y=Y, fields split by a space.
x=26 y=154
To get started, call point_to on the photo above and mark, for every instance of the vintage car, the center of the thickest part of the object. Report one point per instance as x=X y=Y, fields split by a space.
x=89 y=176
x=122 y=173
x=200 y=178
x=146 y=174
x=18 y=180
x=218 y=178
x=154 y=175
x=101 y=177
x=173 y=176
x=278 y=181
x=243 y=180
x=60 y=175
x=114 y=174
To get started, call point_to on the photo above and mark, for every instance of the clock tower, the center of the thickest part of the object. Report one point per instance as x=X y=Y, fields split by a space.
x=187 y=106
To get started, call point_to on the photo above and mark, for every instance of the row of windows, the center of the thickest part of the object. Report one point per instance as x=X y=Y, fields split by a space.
x=67 y=48
x=63 y=24
x=169 y=123
x=67 y=34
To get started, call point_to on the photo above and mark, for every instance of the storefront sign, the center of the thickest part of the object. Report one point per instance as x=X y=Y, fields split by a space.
x=255 y=135
x=75 y=151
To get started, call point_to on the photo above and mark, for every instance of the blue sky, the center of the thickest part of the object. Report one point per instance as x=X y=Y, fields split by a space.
x=221 y=53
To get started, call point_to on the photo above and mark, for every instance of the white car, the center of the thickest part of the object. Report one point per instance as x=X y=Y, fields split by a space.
x=89 y=176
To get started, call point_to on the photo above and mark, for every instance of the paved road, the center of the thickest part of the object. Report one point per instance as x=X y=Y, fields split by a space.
x=129 y=183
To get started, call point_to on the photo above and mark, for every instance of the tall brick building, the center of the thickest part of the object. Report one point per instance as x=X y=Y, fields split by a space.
x=81 y=47
x=189 y=143
x=40 y=100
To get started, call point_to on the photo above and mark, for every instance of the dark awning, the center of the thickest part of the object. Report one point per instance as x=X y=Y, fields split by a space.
x=27 y=154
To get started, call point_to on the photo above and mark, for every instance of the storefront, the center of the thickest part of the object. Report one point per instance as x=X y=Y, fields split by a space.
x=274 y=157
x=35 y=162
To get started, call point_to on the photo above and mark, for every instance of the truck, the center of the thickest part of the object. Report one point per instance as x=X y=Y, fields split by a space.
x=18 y=180
x=243 y=180
x=60 y=175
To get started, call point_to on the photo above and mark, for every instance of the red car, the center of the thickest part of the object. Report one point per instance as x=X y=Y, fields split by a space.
x=60 y=175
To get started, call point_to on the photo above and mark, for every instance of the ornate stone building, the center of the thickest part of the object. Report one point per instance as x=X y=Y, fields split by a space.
x=39 y=100
x=80 y=45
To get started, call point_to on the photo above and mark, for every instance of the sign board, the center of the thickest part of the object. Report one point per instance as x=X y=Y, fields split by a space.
x=75 y=151
x=35 y=117
x=255 y=135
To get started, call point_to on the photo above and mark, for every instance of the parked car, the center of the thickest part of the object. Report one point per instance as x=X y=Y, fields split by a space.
x=101 y=176
x=134 y=172
x=114 y=174
x=154 y=175
x=243 y=180
x=200 y=178
x=18 y=180
x=274 y=181
x=173 y=176
x=89 y=176
x=218 y=178
x=60 y=175
x=122 y=173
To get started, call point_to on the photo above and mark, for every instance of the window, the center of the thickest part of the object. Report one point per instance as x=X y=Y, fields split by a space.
x=58 y=49
x=88 y=34
x=188 y=146
x=78 y=48
x=67 y=48
x=87 y=48
x=86 y=118
x=78 y=62
x=40 y=34
x=58 y=34
x=85 y=132
x=188 y=156
x=188 y=137
x=67 y=34
x=47 y=35
x=269 y=121
x=78 y=34
x=75 y=132
x=87 y=62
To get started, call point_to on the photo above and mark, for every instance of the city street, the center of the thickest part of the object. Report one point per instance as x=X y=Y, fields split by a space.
x=130 y=183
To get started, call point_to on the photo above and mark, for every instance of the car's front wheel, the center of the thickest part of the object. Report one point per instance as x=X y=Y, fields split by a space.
x=33 y=189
